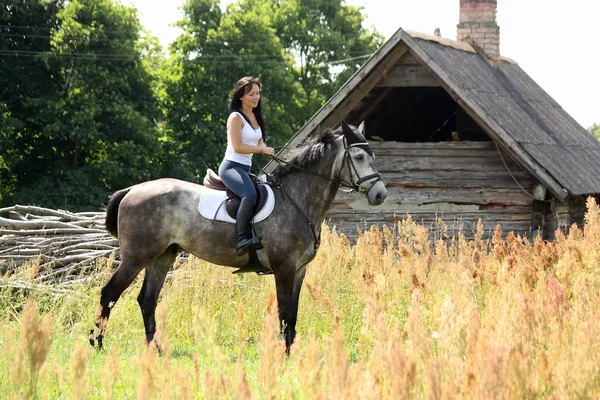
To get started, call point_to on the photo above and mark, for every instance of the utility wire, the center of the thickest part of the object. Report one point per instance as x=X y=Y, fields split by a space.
x=257 y=58
x=73 y=56
x=103 y=30
x=224 y=43
x=350 y=59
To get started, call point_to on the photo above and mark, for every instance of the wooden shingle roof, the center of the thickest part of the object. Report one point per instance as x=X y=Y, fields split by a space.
x=510 y=99
x=506 y=102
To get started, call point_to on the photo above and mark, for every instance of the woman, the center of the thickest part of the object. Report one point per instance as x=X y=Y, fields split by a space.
x=245 y=136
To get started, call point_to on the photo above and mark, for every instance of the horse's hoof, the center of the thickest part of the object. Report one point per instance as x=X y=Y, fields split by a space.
x=158 y=348
x=95 y=340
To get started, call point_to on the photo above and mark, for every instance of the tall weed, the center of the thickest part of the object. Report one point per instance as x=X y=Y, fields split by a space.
x=393 y=316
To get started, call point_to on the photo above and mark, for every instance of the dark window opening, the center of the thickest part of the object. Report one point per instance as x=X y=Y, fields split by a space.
x=416 y=114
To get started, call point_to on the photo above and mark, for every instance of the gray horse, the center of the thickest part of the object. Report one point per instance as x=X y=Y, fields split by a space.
x=154 y=219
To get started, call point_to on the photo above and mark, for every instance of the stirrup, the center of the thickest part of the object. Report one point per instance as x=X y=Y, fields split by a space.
x=254 y=265
x=259 y=269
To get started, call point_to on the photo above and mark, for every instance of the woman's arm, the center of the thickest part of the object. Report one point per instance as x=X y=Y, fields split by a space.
x=234 y=126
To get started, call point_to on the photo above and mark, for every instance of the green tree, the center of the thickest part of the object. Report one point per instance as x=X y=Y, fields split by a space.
x=8 y=126
x=94 y=131
x=595 y=129
x=214 y=51
x=328 y=43
x=188 y=143
x=25 y=79
x=301 y=64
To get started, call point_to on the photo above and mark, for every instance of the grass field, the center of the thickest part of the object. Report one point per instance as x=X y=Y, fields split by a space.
x=394 y=316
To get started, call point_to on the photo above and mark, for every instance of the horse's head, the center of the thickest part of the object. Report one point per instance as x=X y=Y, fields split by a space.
x=358 y=170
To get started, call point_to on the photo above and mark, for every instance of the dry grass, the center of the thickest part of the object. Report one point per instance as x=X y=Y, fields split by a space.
x=394 y=316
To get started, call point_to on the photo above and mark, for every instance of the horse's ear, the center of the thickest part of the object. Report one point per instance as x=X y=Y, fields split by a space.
x=346 y=128
x=361 y=128
x=350 y=134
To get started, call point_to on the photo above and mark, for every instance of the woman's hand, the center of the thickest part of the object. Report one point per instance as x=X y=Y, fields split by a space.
x=269 y=151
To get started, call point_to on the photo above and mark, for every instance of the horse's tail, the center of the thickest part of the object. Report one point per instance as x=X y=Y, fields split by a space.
x=112 y=211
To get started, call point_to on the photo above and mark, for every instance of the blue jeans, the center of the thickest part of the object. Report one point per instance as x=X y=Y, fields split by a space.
x=236 y=177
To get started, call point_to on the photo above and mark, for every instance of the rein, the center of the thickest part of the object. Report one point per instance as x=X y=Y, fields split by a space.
x=282 y=161
x=354 y=186
x=316 y=237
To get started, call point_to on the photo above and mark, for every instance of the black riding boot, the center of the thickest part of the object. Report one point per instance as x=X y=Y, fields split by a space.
x=245 y=238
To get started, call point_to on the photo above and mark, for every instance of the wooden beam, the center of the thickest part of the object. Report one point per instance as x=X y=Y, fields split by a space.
x=398 y=198
x=409 y=76
x=409 y=59
x=372 y=106
x=347 y=104
x=350 y=93
x=490 y=126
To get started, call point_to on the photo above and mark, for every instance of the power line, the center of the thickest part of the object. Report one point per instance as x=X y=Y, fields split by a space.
x=48 y=37
x=102 y=56
x=350 y=59
x=199 y=61
x=223 y=59
x=44 y=28
x=246 y=36
x=24 y=35
x=224 y=43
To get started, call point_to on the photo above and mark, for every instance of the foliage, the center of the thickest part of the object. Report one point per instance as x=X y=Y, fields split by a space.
x=25 y=28
x=8 y=125
x=324 y=34
x=294 y=62
x=595 y=129
x=394 y=316
x=214 y=51
x=91 y=129
x=89 y=103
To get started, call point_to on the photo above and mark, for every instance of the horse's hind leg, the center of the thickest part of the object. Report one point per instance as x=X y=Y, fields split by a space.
x=123 y=277
x=153 y=283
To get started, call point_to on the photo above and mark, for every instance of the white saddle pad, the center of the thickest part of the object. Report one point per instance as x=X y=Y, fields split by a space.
x=212 y=205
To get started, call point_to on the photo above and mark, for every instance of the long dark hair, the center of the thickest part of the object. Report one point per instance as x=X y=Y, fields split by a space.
x=240 y=88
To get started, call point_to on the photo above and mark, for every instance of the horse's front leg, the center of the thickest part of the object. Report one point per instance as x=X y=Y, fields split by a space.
x=288 y=283
x=298 y=280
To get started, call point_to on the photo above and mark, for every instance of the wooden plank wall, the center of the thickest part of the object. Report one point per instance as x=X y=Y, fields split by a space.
x=457 y=182
x=562 y=215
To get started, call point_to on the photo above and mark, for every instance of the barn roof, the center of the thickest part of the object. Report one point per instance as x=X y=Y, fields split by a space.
x=506 y=102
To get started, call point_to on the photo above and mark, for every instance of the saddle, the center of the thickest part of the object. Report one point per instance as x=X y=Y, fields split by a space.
x=213 y=181
x=232 y=203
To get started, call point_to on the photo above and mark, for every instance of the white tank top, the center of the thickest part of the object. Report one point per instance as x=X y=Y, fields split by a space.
x=250 y=136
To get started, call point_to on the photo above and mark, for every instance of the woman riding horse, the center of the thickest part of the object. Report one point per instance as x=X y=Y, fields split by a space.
x=245 y=136
x=154 y=219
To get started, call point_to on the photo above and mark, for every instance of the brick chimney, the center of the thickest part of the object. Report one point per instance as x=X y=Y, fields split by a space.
x=477 y=26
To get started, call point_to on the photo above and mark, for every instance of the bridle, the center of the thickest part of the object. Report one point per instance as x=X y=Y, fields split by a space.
x=347 y=160
x=354 y=186
x=351 y=167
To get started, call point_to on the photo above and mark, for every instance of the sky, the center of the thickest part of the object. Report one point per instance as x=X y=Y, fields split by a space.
x=554 y=41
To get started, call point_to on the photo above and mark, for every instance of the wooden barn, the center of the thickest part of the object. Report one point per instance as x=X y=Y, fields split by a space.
x=461 y=134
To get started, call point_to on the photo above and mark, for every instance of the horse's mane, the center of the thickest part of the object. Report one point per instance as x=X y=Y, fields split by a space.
x=309 y=152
